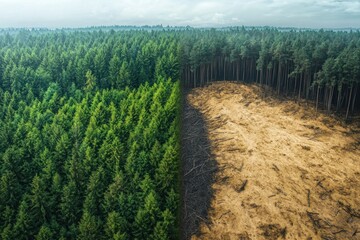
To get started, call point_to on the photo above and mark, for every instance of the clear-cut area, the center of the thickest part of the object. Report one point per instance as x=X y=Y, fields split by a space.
x=284 y=171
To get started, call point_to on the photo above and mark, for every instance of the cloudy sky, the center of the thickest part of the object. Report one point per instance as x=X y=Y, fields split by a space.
x=197 y=13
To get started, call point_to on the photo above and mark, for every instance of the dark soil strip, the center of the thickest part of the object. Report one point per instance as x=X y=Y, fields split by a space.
x=198 y=170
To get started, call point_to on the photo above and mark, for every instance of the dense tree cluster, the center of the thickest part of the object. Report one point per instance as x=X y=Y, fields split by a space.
x=88 y=135
x=319 y=65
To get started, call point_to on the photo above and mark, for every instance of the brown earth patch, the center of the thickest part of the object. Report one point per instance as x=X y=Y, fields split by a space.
x=283 y=170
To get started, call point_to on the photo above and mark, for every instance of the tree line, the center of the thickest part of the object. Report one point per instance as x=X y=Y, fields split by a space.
x=323 y=66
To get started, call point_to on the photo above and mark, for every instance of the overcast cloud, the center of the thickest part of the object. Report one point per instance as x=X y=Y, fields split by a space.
x=197 y=13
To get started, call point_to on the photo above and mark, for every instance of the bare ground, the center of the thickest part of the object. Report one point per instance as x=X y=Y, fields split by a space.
x=284 y=171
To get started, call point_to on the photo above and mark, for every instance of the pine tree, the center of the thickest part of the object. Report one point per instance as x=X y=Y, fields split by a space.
x=165 y=228
x=90 y=81
x=89 y=227
x=45 y=233
x=146 y=217
x=116 y=227
x=123 y=78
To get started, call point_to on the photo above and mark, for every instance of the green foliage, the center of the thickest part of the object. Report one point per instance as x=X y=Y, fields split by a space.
x=90 y=81
x=45 y=233
x=164 y=227
x=89 y=227
x=146 y=217
x=116 y=227
x=82 y=136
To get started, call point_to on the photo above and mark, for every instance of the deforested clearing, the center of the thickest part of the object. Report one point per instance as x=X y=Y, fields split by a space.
x=284 y=171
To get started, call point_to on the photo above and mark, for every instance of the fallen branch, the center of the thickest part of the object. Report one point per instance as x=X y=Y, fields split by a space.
x=275 y=168
x=224 y=214
x=223 y=140
x=341 y=231
x=280 y=191
x=319 y=183
x=234 y=149
x=315 y=221
x=204 y=151
x=231 y=166
x=193 y=169
x=347 y=208
x=210 y=170
x=242 y=187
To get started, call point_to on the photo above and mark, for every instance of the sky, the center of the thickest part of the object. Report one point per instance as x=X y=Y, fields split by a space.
x=195 y=13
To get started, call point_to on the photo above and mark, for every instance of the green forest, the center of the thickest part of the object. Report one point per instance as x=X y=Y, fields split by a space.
x=90 y=118
x=89 y=135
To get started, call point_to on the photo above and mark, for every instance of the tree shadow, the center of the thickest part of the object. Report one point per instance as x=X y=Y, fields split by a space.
x=198 y=170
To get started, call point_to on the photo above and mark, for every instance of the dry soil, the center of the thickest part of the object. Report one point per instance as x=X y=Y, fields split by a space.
x=284 y=171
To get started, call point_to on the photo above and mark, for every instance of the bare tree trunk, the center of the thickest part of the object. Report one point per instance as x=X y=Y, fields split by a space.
x=308 y=81
x=244 y=65
x=266 y=76
x=325 y=99
x=300 y=85
x=207 y=73
x=251 y=71
x=354 y=98
x=348 y=107
x=273 y=74
x=330 y=98
x=295 y=85
x=338 y=102
x=216 y=70
x=317 y=98
x=237 y=70
x=224 y=68
x=287 y=78
x=279 y=78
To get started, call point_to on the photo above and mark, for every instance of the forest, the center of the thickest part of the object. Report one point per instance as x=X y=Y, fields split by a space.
x=89 y=119
x=89 y=136
x=321 y=66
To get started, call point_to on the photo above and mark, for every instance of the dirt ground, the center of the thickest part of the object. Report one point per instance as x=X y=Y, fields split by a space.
x=284 y=171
